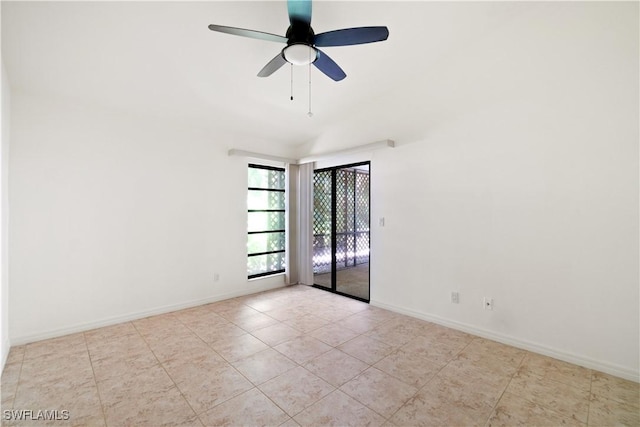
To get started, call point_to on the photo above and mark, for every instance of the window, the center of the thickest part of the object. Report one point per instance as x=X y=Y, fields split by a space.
x=266 y=221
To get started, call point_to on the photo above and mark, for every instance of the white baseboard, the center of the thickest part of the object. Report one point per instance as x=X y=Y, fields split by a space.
x=618 y=371
x=82 y=327
x=5 y=353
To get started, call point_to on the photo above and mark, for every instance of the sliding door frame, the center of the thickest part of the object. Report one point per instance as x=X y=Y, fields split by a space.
x=334 y=229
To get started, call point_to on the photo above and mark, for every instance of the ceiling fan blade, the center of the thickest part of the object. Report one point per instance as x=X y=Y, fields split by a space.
x=248 y=33
x=272 y=66
x=329 y=67
x=299 y=11
x=351 y=36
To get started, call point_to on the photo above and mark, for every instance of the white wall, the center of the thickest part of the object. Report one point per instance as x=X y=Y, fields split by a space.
x=516 y=177
x=115 y=216
x=4 y=219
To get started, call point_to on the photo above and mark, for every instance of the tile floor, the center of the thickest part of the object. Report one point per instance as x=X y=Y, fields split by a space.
x=302 y=356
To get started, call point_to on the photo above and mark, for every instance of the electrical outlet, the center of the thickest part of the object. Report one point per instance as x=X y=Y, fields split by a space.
x=455 y=297
x=488 y=303
x=216 y=277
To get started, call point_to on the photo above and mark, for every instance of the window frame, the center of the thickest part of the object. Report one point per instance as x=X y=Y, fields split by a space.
x=281 y=211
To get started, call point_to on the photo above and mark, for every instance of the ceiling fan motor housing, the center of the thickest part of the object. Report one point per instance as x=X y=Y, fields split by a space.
x=299 y=32
x=299 y=49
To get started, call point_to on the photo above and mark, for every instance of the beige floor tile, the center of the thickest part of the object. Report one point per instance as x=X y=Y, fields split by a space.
x=353 y=306
x=81 y=400
x=74 y=370
x=332 y=313
x=263 y=366
x=95 y=337
x=290 y=423
x=379 y=391
x=434 y=349
x=333 y=334
x=16 y=354
x=325 y=297
x=169 y=369
x=212 y=388
x=235 y=311
x=447 y=335
x=422 y=327
x=563 y=399
x=117 y=389
x=117 y=347
x=286 y=313
x=381 y=315
x=473 y=388
x=367 y=349
x=266 y=304
x=431 y=408
x=11 y=372
x=252 y=408
x=207 y=381
x=445 y=332
x=408 y=367
x=227 y=304
x=360 y=323
x=556 y=370
x=276 y=334
x=606 y=412
x=237 y=348
x=148 y=398
x=336 y=367
x=192 y=365
x=56 y=348
x=122 y=357
x=159 y=326
x=9 y=382
x=307 y=323
x=11 y=376
x=513 y=410
x=255 y=321
x=216 y=333
x=490 y=356
x=176 y=347
x=296 y=390
x=338 y=409
x=152 y=409
x=302 y=349
x=204 y=322
x=394 y=334
x=614 y=388
x=113 y=367
x=197 y=314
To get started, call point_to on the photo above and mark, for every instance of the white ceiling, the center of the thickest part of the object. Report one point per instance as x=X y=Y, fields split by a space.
x=160 y=59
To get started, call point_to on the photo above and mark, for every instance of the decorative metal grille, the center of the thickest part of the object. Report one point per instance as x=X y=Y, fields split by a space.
x=322 y=222
x=351 y=216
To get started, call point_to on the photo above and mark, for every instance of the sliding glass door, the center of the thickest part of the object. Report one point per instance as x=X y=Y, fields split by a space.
x=341 y=229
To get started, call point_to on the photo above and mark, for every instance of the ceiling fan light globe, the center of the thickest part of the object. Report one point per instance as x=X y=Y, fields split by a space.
x=300 y=54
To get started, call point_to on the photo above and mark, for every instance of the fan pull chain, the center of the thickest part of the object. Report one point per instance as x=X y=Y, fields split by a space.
x=292 y=82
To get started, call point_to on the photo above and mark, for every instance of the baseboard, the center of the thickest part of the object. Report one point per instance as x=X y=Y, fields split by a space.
x=615 y=370
x=5 y=353
x=83 y=327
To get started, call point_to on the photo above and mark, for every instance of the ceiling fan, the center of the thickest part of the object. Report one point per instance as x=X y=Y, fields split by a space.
x=302 y=42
